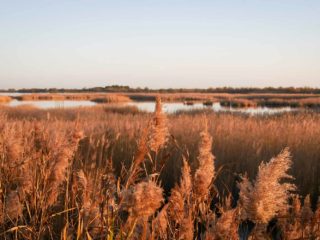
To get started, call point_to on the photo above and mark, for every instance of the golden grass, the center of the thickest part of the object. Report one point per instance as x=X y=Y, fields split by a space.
x=238 y=103
x=235 y=100
x=294 y=103
x=83 y=174
x=173 y=97
x=111 y=99
x=96 y=97
x=5 y=99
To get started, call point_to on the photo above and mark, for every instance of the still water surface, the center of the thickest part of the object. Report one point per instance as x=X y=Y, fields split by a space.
x=149 y=106
x=216 y=107
x=52 y=104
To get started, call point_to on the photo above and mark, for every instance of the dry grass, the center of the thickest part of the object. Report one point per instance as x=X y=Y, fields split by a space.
x=111 y=99
x=96 y=97
x=92 y=173
x=236 y=100
x=294 y=103
x=238 y=103
x=5 y=99
x=180 y=97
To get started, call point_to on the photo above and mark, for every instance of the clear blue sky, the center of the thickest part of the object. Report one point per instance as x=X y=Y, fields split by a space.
x=159 y=43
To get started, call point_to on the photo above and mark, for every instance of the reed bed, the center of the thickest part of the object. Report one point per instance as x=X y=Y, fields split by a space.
x=238 y=103
x=236 y=100
x=96 y=173
x=96 y=97
x=194 y=96
x=5 y=99
x=293 y=103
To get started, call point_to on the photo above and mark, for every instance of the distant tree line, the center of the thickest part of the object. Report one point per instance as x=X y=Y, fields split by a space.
x=120 y=88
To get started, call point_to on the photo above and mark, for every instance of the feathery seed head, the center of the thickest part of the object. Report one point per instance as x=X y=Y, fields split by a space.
x=206 y=170
x=268 y=196
x=159 y=130
x=143 y=200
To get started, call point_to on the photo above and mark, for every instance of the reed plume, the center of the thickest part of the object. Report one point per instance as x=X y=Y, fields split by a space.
x=180 y=195
x=160 y=224
x=147 y=198
x=139 y=158
x=142 y=147
x=269 y=195
x=316 y=221
x=296 y=206
x=186 y=228
x=186 y=181
x=59 y=168
x=228 y=224
x=159 y=132
x=316 y=217
x=176 y=205
x=206 y=170
x=306 y=211
x=141 y=202
x=80 y=187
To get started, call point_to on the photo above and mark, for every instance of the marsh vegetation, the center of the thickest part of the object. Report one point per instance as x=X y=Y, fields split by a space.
x=119 y=173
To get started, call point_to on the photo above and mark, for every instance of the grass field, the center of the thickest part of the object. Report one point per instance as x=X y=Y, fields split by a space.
x=118 y=173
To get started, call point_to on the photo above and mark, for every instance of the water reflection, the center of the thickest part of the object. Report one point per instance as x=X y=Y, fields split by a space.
x=216 y=107
x=173 y=107
x=52 y=104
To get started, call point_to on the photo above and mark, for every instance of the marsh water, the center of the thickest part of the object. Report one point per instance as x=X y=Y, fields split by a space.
x=51 y=104
x=216 y=107
x=148 y=106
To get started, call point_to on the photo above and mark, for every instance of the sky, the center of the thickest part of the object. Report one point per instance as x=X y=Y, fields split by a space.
x=159 y=43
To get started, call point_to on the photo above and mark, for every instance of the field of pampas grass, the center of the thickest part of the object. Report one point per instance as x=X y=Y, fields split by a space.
x=101 y=173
